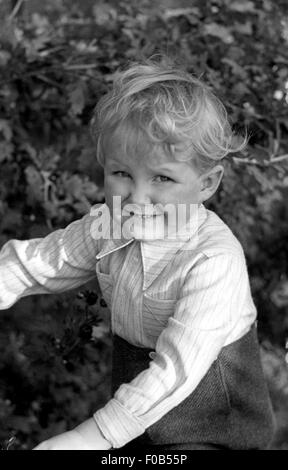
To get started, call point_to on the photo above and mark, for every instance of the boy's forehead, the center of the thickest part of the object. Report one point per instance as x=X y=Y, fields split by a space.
x=124 y=145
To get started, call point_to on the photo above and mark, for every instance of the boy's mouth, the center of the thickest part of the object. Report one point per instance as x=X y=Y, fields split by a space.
x=143 y=216
x=140 y=215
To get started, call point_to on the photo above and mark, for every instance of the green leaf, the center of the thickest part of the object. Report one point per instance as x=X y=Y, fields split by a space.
x=176 y=12
x=36 y=48
x=99 y=332
x=243 y=28
x=35 y=184
x=6 y=150
x=11 y=220
x=260 y=177
x=8 y=35
x=242 y=6
x=5 y=56
x=92 y=191
x=77 y=98
x=236 y=68
x=74 y=186
x=219 y=31
x=279 y=296
x=104 y=13
x=240 y=89
x=5 y=129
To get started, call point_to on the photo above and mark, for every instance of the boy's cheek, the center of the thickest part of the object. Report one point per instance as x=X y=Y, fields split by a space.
x=114 y=188
x=114 y=196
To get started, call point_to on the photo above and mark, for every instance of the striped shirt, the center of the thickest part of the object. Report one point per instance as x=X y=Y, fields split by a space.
x=184 y=298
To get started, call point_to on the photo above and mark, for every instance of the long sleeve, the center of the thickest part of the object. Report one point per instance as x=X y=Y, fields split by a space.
x=61 y=261
x=214 y=299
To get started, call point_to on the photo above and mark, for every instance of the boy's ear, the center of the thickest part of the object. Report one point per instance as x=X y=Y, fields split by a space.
x=210 y=182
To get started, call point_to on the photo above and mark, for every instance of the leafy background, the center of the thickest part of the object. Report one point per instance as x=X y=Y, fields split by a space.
x=56 y=59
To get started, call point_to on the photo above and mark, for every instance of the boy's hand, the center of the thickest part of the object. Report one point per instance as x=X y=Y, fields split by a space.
x=86 y=436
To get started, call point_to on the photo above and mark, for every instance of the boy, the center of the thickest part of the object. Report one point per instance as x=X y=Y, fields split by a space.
x=186 y=366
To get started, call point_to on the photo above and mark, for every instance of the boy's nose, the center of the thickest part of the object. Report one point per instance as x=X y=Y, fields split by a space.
x=139 y=195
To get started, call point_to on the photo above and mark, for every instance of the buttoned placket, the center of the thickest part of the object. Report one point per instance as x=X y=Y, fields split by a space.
x=134 y=279
x=127 y=294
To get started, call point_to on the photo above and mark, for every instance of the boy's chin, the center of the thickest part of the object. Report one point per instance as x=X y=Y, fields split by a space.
x=155 y=228
x=149 y=229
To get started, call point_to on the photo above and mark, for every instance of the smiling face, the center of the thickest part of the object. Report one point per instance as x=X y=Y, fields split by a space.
x=147 y=180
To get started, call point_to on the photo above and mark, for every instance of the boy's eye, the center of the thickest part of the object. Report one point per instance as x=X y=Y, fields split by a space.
x=163 y=179
x=123 y=174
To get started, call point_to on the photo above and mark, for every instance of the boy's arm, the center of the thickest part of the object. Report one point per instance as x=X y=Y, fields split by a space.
x=63 y=260
x=214 y=298
x=86 y=436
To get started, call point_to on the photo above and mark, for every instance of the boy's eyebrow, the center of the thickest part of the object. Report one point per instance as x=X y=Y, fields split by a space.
x=114 y=160
x=164 y=168
x=158 y=169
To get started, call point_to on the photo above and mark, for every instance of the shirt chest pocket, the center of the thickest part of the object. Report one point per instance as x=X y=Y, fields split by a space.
x=106 y=285
x=155 y=315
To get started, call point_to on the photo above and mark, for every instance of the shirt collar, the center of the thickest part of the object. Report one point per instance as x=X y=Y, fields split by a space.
x=156 y=254
x=109 y=245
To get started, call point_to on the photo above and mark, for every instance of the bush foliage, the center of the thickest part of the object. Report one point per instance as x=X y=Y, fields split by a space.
x=56 y=59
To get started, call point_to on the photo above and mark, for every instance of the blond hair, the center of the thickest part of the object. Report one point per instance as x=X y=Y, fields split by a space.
x=172 y=109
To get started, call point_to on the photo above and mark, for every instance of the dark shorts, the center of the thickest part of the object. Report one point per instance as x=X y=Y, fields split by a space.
x=229 y=409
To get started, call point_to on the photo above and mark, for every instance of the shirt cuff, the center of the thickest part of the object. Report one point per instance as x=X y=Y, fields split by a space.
x=117 y=424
